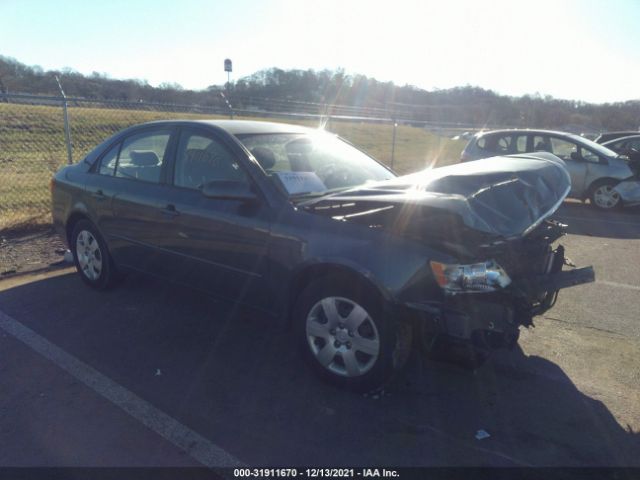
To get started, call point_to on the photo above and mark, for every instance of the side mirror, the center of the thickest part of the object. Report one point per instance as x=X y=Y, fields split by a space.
x=575 y=156
x=229 y=190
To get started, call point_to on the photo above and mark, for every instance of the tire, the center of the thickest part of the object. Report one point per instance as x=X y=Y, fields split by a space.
x=91 y=256
x=347 y=335
x=603 y=197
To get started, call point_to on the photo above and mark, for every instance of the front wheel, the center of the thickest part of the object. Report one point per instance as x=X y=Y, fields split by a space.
x=91 y=257
x=603 y=195
x=347 y=335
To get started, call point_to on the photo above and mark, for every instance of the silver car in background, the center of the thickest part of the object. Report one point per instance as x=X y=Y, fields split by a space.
x=597 y=173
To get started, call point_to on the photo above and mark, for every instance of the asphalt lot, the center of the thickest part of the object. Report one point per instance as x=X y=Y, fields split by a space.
x=154 y=374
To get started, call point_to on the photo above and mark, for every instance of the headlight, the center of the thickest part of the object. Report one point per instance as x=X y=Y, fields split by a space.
x=478 y=277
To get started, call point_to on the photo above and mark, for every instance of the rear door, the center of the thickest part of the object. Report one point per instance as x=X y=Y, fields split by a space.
x=130 y=192
x=215 y=244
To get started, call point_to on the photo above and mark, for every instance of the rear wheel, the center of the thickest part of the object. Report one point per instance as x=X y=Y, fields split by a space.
x=348 y=337
x=91 y=257
x=603 y=196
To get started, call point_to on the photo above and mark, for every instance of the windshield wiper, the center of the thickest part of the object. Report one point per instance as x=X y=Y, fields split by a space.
x=318 y=194
x=307 y=194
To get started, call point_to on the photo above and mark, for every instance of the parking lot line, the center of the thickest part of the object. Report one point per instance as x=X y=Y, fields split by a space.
x=598 y=220
x=619 y=285
x=169 y=428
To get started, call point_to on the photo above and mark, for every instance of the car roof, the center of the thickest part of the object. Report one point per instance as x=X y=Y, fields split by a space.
x=634 y=132
x=621 y=139
x=240 y=127
x=532 y=131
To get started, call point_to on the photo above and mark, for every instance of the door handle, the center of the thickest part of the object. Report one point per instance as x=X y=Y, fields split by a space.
x=170 y=211
x=98 y=195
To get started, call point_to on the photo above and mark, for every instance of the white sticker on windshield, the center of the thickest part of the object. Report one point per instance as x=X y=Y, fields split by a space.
x=300 y=182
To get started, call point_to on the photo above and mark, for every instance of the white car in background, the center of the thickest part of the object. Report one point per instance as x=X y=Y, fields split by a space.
x=597 y=173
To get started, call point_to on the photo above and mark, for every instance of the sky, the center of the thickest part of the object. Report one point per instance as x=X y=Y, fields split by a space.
x=583 y=50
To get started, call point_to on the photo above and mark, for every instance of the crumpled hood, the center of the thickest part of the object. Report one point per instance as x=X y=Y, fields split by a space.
x=504 y=196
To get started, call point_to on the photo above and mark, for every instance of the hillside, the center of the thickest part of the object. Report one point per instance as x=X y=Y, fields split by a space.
x=334 y=92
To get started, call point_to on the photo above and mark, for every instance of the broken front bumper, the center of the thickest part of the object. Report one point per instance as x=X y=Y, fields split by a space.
x=543 y=284
x=494 y=318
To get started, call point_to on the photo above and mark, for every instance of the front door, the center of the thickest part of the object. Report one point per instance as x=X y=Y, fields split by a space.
x=215 y=244
x=569 y=152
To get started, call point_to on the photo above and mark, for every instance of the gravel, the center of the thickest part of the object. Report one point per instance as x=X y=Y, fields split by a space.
x=34 y=250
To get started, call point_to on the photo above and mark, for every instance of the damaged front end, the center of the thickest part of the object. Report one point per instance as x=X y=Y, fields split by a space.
x=536 y=273
x=492 y=218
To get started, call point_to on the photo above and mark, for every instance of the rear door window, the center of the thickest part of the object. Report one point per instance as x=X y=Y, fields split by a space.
x=503 y=144
x=500 y=144
x=541 y=143
x=519 y=143
x=142 y=155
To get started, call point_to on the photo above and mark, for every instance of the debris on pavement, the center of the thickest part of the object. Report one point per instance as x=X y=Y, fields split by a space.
x=26 y=251
x=482 y=434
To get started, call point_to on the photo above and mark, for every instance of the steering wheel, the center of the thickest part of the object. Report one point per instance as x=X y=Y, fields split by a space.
x=334 y=176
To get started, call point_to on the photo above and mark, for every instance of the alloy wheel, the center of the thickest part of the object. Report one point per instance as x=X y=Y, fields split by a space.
x=89 y=255
x=606 y=197
x=342 y=336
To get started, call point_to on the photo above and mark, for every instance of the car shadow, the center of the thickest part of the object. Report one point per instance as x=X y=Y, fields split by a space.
x=583 y=219
x=235 y=378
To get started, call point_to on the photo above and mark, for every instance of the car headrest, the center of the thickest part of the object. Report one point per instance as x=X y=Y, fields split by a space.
x=199 y=155
x=144 y=158
x=265 y=157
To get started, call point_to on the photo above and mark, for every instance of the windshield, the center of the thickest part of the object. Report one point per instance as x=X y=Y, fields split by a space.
x=307 y=164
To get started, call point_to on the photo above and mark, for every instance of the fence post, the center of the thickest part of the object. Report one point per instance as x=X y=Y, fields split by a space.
x=67 y=132
x=226 y=101
x=393 y=142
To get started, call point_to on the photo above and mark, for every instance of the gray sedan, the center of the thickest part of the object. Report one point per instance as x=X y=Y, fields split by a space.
x=597 y=173
x=299 y=224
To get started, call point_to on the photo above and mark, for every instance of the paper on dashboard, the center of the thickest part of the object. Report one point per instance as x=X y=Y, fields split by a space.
x=300 y=182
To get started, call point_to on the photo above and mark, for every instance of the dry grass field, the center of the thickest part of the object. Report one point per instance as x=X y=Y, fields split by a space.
x=32 y=148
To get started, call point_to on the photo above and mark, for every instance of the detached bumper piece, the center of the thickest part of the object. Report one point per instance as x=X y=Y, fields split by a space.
x=538 y=293
x=543 y=284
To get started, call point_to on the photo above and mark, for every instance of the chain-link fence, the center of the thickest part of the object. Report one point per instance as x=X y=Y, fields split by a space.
x=37 y=137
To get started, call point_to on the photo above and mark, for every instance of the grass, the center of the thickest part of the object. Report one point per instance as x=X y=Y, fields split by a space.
x=32 y=148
